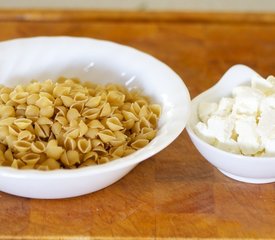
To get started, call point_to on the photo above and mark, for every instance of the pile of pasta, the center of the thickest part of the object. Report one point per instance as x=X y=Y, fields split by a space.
x=68 y=124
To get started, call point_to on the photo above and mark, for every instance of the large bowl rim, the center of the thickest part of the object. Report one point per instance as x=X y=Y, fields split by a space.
x=118 y=163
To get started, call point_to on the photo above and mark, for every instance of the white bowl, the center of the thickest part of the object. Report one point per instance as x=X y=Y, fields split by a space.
x=40 y=58
x=238 y=167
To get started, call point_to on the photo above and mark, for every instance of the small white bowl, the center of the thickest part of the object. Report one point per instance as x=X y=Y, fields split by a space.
x=239 y=167
x=40 y=58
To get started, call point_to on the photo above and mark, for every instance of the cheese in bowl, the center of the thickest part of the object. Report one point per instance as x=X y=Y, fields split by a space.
x=242 y=123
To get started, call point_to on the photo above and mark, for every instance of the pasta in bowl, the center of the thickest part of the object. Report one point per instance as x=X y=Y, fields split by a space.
x=47 y=125
x=68 y=124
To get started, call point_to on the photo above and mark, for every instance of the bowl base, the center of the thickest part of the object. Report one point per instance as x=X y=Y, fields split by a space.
x=248 y=180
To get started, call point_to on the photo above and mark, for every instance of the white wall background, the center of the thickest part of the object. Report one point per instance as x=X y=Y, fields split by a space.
x=159 y=5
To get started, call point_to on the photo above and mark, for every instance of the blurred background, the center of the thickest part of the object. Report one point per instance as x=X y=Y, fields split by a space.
x=147 y=5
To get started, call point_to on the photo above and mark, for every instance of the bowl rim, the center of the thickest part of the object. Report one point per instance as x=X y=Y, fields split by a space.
x=194 y=103
x=130 y=160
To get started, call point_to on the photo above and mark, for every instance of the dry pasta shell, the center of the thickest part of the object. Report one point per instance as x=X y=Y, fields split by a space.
x=2 y=158
x=73 y=133
x=43 y=168
x=26 y=135
x=144 y=123
x=148 y=133
x=120 y=135
x=90 y=113
x=62 y=120
x=67 y=101
x=17 y=163
x=100 y=150
x=136 y=129
x=114 y=124
x=10 y=140
x=32 y=111
x=5 y=90
x=43 y=102
x=90 y=156
x=118 y=115
x=80 y=97
x=56 y=128
x=69 y=143
x=97 y=142
x=32 y=98
x=42 y=131
x=8 y=155
x=4 y=131
x=44 y=120
x=47 y=111
x=33 y=87
x=50 y=164
x=93 y=102
x=115 y=98
x=135 y=108
x=92 y=133
x=129 y=115
x=11 y=103
x=141 y=102
x=38 y=147
x=47 y=86
x=46 y=129
x=83 y=128
x=72 y=114
x=79 y=106
x=57 y=102
x=7 y=111
x=5 y=97
x=153 y=120
x=156 y=109
x=61 y=138
x=53 y=150
x=70 y=158
x=30 y=159
x=117 y=151
x=20 y=113
x=106 y=110
x=95 y=124
x=19 y=155
x=19 y=97
x=117 y=142
x=22 y=146
x=30 y=129
x=106 y=135
x=128 y=124
x=87 y=163
x=62 y=111
x=2 y=147
x=84 y=145
x=7 y=121
x=128 y=151
x=139 y=143
x=73 y=124
x=103 y=160
x=47 y=95
x=19 y=88
x=144 y=112
x=13 y=130
x=61 y=91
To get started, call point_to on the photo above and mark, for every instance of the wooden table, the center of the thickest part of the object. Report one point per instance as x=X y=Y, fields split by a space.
x=177 y=193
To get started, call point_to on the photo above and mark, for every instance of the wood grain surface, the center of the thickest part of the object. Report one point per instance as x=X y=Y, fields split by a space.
x=176 y=193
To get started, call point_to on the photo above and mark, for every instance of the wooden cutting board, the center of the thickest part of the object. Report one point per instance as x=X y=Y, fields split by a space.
x=175 y=194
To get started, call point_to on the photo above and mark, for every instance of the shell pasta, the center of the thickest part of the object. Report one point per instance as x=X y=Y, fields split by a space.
x=69 y=124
